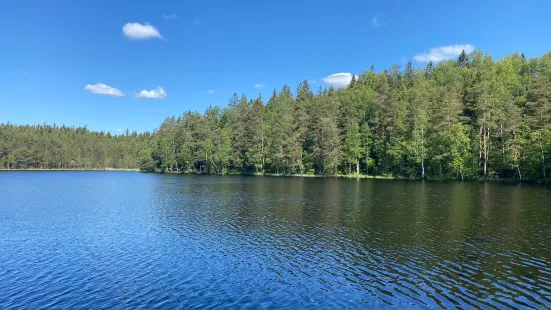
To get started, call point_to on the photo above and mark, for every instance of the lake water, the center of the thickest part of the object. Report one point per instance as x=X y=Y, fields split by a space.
x=117 y=240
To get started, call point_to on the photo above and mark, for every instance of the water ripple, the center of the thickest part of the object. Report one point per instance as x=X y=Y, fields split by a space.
x=145 y=241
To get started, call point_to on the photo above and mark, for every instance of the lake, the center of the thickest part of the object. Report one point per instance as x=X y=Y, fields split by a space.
x=117 y=240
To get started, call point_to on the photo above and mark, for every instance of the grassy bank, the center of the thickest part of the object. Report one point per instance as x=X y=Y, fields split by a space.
x=362 y=176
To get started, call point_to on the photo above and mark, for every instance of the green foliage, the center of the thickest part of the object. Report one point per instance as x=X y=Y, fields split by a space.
x=54 y=147
x=352 y=146
x=458 y=145
x=466 y=118
x=146 y=160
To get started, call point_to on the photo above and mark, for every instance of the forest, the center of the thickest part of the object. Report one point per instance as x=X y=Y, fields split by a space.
x=473 y=117
x=54 y=147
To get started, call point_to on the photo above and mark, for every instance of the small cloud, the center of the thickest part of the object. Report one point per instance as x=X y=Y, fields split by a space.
x=312 y=82
x=437 y=54
x=158 y=93
x=258 y=85
x=378 y=20
x=169 y=17
x=339 y=79
x=104 y=90
x=196 y=22
x=211 y=91
x=138 y=31
x=119 y=130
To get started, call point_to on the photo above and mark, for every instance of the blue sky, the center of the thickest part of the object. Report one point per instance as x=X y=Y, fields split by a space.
x=191 y=54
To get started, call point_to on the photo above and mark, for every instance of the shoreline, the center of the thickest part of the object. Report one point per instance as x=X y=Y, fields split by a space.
x=379 y=177
x=71 y=169
x=338 y=176
x=363 y=176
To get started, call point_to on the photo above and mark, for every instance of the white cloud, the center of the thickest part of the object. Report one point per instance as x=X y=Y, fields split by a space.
x=339 y=79
x=119 y=130
x=102 y=89
x=158 y=93
x=141 y=32
x=378 y=20
x=258 y=85
x=211 y=91
x=437 y=54
x=171 y=16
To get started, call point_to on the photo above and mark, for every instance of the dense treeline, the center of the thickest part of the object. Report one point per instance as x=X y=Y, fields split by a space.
x=467 y=118
x=54 y=147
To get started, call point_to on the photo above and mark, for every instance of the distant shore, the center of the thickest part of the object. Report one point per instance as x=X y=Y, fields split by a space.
x=70 y=169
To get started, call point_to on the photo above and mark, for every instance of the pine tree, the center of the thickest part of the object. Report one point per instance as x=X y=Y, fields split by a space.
x=255 y=154
x=352 y=148
x=352 y=82
x=301 y=123
x=241 y=135
x=463 y=59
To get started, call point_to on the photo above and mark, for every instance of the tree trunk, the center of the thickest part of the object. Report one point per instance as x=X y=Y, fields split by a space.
x=485 y=148
x=484 y=145
x=422 y=153
x=543 y=163
x=502 y=144
x=358 y=167
x=262 y=149
x=215 y=167
x=480 y=147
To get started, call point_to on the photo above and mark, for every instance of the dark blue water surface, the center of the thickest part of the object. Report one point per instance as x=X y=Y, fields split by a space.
x=117 y=240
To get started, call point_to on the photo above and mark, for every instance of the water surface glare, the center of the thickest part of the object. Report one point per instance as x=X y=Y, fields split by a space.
x=117 y=240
